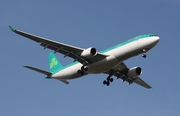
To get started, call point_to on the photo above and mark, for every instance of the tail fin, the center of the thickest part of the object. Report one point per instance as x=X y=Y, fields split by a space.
x=54 y=64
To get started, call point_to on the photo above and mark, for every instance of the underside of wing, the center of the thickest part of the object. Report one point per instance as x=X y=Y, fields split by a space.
x=139 y=81
x=66 y=50
x=121 y=71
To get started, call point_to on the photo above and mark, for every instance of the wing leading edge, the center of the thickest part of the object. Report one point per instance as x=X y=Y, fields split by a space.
x=66 y=50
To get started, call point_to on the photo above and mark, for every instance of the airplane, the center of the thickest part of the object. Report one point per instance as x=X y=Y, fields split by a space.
x=90 y=61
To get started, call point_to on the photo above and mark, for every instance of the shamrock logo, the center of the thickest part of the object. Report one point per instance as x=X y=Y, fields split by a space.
x=53 y=63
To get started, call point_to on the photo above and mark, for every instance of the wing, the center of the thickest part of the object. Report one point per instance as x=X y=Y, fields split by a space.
x=66 y=50
x=121 y=72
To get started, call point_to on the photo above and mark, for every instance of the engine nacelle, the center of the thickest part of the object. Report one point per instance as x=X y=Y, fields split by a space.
x=134 y=72
x=89 y=53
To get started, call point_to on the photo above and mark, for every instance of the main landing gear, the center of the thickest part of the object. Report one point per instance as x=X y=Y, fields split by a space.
x=108 y=79
x=82 y=70
x=144 y=53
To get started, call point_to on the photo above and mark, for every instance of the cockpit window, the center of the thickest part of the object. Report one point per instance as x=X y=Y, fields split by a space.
x=152 y=35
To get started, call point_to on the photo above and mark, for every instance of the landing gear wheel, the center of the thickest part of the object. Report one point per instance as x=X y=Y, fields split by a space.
x=111 y=80
x=85 y=69
x=79 y=71
x=108 y=78
x=144 y=55
x=104 y=82
x=108 y=83
x=82 y=68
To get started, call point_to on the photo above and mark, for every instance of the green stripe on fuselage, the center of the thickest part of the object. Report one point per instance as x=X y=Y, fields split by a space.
x=127 y=42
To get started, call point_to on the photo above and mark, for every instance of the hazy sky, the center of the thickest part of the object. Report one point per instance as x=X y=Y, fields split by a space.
x=94 y=23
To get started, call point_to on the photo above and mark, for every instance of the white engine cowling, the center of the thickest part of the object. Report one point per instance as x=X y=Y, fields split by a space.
x=134 y=72
x=89 y=53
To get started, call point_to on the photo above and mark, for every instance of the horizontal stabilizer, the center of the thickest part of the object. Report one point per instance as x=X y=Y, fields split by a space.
x=49 y=74
x=64 y=81
x=39 y=70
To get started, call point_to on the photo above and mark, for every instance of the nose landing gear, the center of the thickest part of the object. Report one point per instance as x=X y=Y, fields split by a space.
x=144 y=53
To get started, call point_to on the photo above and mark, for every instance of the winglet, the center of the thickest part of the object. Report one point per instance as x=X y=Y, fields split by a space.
x=12 y=29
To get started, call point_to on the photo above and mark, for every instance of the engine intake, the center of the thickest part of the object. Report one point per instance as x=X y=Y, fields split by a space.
x=134 y=72
x=89 y=53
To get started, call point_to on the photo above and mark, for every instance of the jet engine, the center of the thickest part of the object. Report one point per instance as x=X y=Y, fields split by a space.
x=134 y=72
x=89 y=53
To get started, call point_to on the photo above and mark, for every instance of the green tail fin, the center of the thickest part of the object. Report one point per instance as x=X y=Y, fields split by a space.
x=54 y=64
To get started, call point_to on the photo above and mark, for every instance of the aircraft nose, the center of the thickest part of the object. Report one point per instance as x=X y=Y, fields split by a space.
x=156 y=39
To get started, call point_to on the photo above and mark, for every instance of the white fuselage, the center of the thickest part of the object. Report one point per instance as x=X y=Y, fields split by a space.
x=115 y=57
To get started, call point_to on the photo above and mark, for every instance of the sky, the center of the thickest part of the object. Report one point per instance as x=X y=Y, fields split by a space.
x=94 y=23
